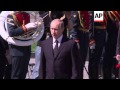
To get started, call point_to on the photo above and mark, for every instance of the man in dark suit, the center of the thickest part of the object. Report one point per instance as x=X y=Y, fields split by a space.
x=60 y=59
x=18 y=23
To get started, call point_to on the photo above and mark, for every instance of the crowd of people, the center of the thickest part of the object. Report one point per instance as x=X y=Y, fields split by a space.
x=65 y=46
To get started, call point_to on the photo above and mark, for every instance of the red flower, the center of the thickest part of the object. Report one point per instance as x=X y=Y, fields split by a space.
x=91 y=42
x=118 y=65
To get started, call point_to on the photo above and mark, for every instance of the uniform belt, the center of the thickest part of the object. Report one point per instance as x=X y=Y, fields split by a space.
x=100 y=27
x=83 y=29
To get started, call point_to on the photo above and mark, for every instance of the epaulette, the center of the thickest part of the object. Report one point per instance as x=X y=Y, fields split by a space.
x=10 y=20
x=15 y=20
x=81 y=19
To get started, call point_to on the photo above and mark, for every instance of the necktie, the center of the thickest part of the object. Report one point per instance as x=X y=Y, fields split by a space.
x=56 y=49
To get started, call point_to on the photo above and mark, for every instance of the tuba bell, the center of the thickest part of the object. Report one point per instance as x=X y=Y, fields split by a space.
x=27 y=38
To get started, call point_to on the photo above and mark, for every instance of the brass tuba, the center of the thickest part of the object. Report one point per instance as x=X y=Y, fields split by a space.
x=27 y=38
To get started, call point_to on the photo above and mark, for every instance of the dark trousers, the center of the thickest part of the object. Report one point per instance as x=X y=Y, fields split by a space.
x=100 y=38
x=3 y=61
x=20 y=66
x=83 y=42
x=8 y=71
x=109 y=61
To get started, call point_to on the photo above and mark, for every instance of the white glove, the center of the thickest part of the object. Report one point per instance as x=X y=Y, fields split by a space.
x=30 y=26
x=38 y=23
x=118 y=57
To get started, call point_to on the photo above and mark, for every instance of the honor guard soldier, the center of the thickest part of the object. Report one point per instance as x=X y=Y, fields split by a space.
x=18 y=23
x=80 y=33
x=109 y=62
x=100 y=38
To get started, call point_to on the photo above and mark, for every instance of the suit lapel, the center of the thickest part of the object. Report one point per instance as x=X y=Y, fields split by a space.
x=50 y=47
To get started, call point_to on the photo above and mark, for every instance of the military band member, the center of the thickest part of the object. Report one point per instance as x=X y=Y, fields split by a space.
x=109 y=61
x=18 y=23
x=80 y=33
x=100 y=38
x=3 y=59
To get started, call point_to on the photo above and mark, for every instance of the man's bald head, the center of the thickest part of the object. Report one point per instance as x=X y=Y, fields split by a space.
x=58 y=22
x=56 y=28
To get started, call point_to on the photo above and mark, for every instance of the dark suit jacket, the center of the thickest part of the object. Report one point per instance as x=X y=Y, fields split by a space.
x=3 y=46
x=65 y=65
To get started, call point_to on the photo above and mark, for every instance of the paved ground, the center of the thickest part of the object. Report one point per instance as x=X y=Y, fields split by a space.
x=85 y=73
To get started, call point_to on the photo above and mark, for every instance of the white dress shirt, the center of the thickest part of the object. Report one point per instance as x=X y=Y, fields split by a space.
x=59 y=41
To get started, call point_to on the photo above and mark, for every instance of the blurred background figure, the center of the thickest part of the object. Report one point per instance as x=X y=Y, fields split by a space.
x=109 y=61
x=80 y=33
x=99 y=36
x=5 y=66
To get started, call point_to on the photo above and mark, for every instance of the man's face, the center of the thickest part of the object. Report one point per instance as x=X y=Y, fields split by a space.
x=56 y=30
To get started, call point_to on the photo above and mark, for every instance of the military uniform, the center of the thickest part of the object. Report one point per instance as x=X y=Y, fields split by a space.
x=100 y=38
x=20 y=54
x=109 y=61
x=81 y=26
x=3 y=59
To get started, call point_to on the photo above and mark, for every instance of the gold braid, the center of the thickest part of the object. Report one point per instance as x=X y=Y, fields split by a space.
x=15 y=20
x=81 y=21
x=116 y=18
